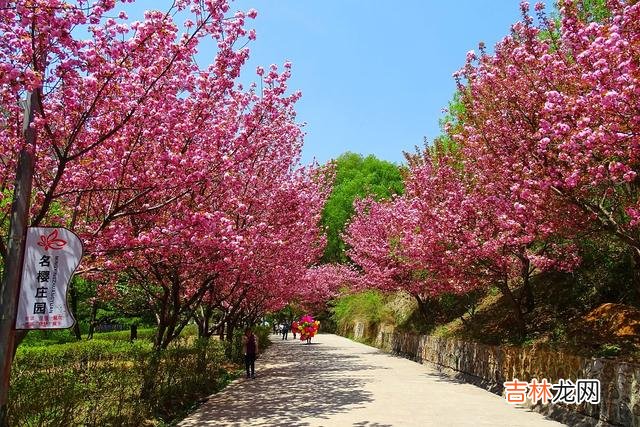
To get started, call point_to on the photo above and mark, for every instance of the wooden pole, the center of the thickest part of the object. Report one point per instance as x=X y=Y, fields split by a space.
x=17 y=236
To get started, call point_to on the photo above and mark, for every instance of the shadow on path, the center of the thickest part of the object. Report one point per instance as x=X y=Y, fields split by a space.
x=293 y=381
x=338 y=382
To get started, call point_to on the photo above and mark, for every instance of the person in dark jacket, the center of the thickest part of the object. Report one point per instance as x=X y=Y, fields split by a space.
x=285 y=331
x=250 y=350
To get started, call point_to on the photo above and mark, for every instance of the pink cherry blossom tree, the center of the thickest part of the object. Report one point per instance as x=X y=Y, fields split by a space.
x=176 y=177
x=322 y=283
x=542 y=138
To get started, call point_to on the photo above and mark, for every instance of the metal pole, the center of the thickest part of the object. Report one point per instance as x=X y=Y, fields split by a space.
x=13 y=267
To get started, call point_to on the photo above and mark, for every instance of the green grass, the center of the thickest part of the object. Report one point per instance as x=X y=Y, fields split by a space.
x=40 y=338
x=111 y=381
x=368 y=307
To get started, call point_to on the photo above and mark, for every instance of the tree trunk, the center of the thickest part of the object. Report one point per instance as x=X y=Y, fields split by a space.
x=229 y=338
x=92 y=320
x=201 y=328
x=203 y=320
x=74 y=309
x=14 y=258
x=162 y=316
x=503 y=285
x=635 y=264
x=527 y=298
x=424 y=308
x=230 y=328
x=221 y=331
x=162 y=327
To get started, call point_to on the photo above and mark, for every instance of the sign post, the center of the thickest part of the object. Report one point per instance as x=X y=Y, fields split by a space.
x=15 y=253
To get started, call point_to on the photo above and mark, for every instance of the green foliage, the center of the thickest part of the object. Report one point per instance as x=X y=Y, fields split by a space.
x=605 y=274
x=493 y=290
x=6 y=198
x=45 y=337
x=62 y=336
x=328 y=324
x=131 y=306
x=356 y=177
x=262 y=333
x=101 y=381
x=558 y=332
x=288 y=313
x=609 y=350
x=588 y=11
x=146 y=334
x=449 y=126
x=594 y=10
x=454 y=111
x=368 y=306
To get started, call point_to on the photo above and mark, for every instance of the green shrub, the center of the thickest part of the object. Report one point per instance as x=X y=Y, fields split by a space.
x=44 y=337
x=182 y=374
x=102 y=383
x=367 y=306
x=262 y=332
x=145 y=334
x=62 y=336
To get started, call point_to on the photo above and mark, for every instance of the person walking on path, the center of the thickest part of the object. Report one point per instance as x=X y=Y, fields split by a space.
x=294 y=331
x=285 y=331
x=250 y=350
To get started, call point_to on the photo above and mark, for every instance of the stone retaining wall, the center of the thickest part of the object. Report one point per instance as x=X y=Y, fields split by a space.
x=490 y=366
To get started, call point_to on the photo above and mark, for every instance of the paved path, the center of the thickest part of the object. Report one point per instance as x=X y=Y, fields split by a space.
x=337 y=382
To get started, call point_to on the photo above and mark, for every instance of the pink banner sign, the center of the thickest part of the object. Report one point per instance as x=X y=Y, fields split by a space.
x=51 y=256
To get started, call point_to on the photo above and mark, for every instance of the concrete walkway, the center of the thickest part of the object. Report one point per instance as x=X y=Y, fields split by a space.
x=337 y=382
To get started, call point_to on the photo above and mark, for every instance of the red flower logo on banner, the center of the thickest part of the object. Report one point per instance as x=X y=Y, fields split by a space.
x=51 y=241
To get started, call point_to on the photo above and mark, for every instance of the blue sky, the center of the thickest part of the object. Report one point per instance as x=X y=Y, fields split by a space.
x=374 y=74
